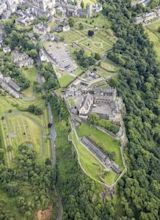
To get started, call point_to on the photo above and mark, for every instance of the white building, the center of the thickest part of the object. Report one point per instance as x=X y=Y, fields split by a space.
x=6 y=49
x=86 y=107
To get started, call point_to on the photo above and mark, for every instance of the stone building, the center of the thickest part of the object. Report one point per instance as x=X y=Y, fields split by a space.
x=8 y=85
x=21 y=59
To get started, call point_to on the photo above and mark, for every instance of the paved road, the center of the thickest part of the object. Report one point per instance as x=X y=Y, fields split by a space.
x=52 y=135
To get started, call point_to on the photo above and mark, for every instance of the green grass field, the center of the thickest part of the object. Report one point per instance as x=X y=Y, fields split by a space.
x=65 y=80
x=154 y=36
x=7 y=103
x=107 y=69
x=30 y=74
x=104 y=141
x=90 y=165
x=89 y=2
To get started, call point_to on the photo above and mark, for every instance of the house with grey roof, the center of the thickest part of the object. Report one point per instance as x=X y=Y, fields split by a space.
x=8 y=85
x=102 y=156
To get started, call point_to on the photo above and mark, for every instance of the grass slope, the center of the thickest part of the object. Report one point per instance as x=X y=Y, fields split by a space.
x=152 y=30
x=106 y=142
x=90 y=165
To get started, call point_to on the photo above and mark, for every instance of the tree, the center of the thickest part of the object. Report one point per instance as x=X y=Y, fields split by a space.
x=71 y=22
x=35 y=110
x=97 y=56
x=81 y=26
x=82 y=4
x=90 y=33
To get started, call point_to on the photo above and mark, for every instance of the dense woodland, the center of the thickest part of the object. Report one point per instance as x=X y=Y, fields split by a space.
x=139 y=86
x=28 y=185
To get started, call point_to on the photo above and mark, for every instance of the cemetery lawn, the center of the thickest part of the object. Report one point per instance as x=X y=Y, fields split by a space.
x=102 y=140
x=20 y=127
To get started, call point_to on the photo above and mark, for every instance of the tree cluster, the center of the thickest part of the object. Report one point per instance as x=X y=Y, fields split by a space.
x=84 y=60
x=19 y=39
x=138 y=84
x=35 y=110
x=94 y=119
x=29 y=183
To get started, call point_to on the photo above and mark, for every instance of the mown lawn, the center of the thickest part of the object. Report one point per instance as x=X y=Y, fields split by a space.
x=108 y=66
x=65 y=80
x=30 y=74
x=104 y=141
x=17 y=129
x=8 y=102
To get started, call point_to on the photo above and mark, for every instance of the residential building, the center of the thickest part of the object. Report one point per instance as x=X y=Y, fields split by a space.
x=21 y=59
x=8 y=85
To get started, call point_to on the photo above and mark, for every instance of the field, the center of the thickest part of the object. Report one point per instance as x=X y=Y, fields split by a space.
x=104 y=141
x=17 y=127
x=89 y=2
x=65 y=80
x=30 y=74
x=91 y=165
x=152 y=30
x=107 y=69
